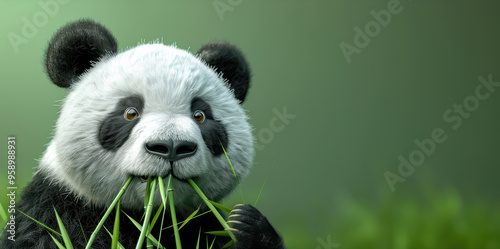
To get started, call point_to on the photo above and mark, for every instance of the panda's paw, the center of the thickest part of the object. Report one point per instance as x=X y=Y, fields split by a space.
x=252 y=229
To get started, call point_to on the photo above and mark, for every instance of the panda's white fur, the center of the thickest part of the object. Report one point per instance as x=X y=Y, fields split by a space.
x=167 y=78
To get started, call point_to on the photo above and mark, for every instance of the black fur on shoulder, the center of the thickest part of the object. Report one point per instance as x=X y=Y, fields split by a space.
x=73 y=49
x=228 y=60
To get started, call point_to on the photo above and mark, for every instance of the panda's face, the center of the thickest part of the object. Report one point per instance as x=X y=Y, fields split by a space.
x=153 y=110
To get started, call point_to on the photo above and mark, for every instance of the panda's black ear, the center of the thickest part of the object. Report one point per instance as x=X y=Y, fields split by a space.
x=228 y=60
x=74 y=48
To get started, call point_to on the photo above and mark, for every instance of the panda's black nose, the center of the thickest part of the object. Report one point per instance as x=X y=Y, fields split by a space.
x=172 y=150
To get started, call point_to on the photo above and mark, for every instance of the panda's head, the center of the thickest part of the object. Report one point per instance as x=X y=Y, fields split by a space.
x=153 y=110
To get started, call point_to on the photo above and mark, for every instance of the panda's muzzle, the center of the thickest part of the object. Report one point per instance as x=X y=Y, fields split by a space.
x=171 y=150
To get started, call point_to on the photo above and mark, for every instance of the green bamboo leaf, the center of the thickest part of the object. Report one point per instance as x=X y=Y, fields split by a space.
x=48 y=228
x=220 y=206
x=189 y=218
x=163 y=203
x=149 y=210
x=219 y=233
x=83 y=232
x=3 y=214
x=149 y=244
x=178 y=223
x=198 y=242
x=59 y=245
x=110 y=209
x=172 y=211
x=155 y=218
x=161 y=224
x=260 y=193
x=65 y=236
x=213 y=241
x=162 y=190
x=111 y=235
x=116 y=227
x=228 y=244
x=234 y=172
x=209 y=204
x=139 y=227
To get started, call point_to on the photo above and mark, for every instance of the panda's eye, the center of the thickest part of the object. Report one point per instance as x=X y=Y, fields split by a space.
x=199 y=116
x=131 y=113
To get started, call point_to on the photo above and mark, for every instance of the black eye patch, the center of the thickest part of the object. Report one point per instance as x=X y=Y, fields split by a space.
x=115 y=129
x=213 y=131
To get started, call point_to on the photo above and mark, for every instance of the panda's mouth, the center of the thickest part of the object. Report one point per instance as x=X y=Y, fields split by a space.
x=144 y=178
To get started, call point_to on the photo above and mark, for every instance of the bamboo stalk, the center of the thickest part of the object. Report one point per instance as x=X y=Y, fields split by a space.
x=214 y=210
x=172 y=211
x=110 y=209
x=149 y=211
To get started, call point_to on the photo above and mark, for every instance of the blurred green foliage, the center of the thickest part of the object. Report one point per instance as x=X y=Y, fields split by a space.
x=442 y=220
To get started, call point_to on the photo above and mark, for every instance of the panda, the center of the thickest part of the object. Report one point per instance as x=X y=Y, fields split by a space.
x=153 y=110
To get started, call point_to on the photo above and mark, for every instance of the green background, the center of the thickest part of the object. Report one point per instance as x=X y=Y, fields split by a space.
x=324 y=172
